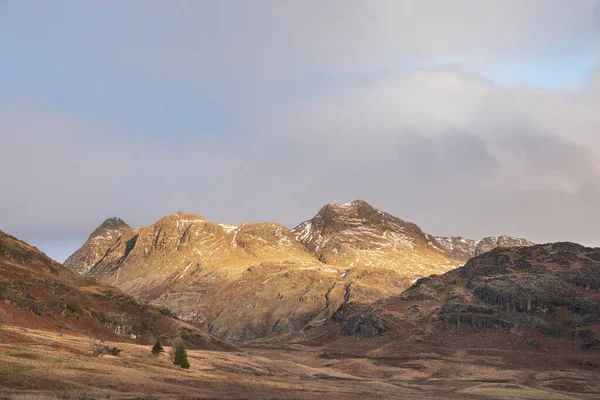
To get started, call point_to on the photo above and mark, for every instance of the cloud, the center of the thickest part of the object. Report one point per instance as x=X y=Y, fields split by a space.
x=63 y=174
x=280 y=41
x=331 y=101
x=456 y=152
x=450 y=151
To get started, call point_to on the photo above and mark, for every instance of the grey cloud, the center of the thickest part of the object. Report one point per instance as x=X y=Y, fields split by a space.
x=457 y=155
x=555 y=160
x=429 y=146
x=279 y=41
x=442 y=147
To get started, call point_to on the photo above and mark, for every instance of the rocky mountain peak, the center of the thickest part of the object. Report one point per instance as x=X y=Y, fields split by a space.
x=357 y=234
x=98 y=243
x=357 y=216
x=110 y=224
x=113 y=223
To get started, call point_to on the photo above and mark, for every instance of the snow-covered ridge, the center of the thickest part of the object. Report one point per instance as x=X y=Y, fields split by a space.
x=228 y=228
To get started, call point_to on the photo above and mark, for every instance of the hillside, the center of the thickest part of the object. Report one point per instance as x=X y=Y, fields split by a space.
x=519 y=303
x=37 y=292
x=257 y=279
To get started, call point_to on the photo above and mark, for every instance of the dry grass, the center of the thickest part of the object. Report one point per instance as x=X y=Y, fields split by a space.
x=48 y=366
x=506 y=391
x=30 y=396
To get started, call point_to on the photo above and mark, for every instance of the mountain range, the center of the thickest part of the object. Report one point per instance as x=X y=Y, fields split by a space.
x=261 y=279
x=346 y=315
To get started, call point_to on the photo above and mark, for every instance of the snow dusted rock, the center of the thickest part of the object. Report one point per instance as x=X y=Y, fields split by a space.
x=464 y=249
x=490 y=243
x=459 y=247
x=364 y=239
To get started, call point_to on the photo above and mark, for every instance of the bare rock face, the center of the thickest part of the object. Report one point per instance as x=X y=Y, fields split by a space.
x=97 y=245
x=463 y=249
x=260 y=279
x=490 y=243
x=460 y=248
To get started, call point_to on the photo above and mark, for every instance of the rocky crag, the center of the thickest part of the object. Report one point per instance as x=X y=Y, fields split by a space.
x=463 y=249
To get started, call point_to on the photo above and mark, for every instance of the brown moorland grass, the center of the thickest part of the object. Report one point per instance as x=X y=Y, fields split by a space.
x=36 y=364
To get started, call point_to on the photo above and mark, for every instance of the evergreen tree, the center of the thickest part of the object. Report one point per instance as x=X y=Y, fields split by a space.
x=181 y=357
x=157 y=349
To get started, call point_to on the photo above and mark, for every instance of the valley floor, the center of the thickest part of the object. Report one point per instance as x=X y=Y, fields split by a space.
x=37 y=364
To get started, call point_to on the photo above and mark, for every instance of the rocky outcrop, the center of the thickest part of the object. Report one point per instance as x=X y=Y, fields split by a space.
x=98 y=243
x=463 y=249
x=360 y=320
x=460 y=248
x=489 y=243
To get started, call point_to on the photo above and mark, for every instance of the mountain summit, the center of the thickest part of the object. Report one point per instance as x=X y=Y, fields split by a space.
x=384 y=253
x=98 y=243
x=355 y=233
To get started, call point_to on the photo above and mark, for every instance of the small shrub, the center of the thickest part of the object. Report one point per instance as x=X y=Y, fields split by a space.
x=180 y=357
x=36 y=307
x=532 y=343
x=98 y=348
x=546 y=328
x=157 y=349
x=579 y=321
x=114 y=351
x=73 y=306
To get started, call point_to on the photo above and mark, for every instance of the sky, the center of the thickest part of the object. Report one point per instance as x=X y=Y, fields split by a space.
x=470 y=118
